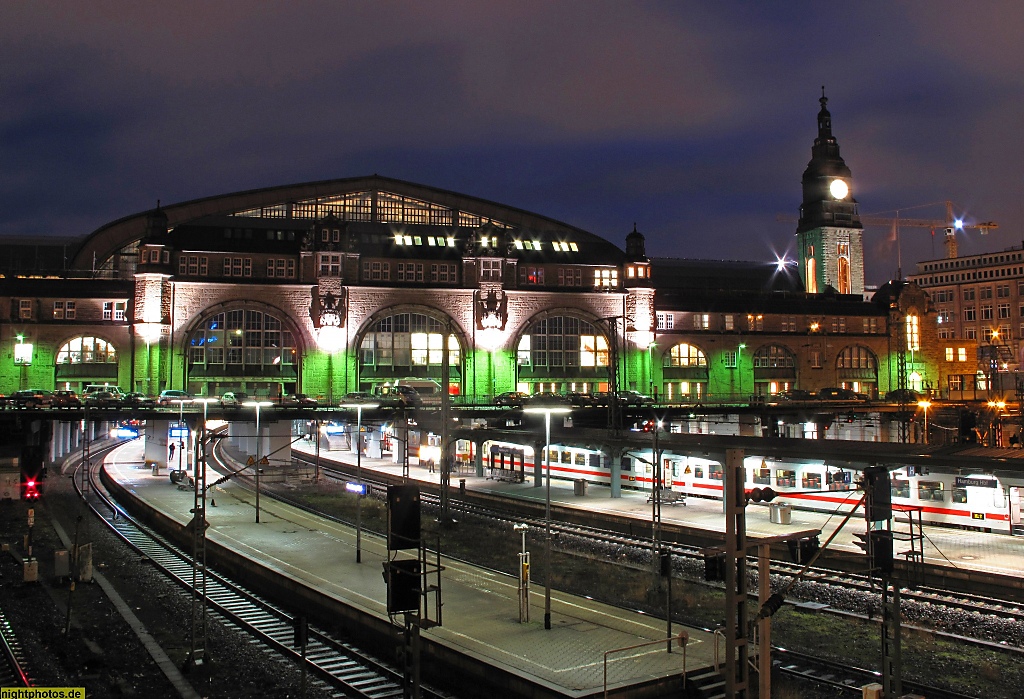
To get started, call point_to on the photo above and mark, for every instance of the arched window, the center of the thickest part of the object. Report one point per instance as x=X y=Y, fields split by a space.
x=562 y=342
x=406 y=341
x=774 y=357
x=843 y=268
x=86 y=350
x=856 y=357
x=240 y=342
x=684 y=355
x=811 y=283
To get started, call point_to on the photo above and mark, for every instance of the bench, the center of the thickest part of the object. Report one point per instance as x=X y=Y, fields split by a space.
x=669 y=497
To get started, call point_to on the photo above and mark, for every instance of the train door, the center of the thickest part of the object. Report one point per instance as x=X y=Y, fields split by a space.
x=1015 y=525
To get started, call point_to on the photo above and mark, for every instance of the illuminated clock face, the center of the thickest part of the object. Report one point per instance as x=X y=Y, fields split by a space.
x=838 y=189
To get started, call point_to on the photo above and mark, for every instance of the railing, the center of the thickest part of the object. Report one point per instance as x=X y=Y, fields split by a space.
x=682 y=639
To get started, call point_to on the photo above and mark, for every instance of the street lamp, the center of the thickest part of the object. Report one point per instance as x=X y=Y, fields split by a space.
x=359 y=472
x=924 y=405
x=547 y=503
x=257 y=404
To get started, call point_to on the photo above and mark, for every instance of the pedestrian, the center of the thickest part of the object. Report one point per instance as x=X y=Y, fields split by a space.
x=171 y=457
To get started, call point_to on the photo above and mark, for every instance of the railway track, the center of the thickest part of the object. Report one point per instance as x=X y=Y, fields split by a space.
x=789 y=662
x=333 y=660
x=826 y=576
x=13 y=670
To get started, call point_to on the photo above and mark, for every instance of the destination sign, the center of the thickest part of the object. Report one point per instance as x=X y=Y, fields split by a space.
x=962 y=482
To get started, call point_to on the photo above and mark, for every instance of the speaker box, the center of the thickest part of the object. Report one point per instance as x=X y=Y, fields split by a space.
x=403 y=517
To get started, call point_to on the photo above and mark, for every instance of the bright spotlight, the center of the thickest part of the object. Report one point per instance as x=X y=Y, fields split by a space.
x=958 y=224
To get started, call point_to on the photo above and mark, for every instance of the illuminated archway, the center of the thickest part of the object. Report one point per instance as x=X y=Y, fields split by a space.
x=685 y=368
x=857 y=369
x=400 y=343
x=243 y=347
x=560 y=352
x=774 y=369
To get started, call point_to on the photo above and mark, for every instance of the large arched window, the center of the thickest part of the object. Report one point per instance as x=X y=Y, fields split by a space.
x=242 y=349
x=856 y=357
x=857 y=369
x=774 y=357
x=86 y=359
x=684 y=355
x=86 y=350
x=404 y=344
x=562 y=342
x=774 y=369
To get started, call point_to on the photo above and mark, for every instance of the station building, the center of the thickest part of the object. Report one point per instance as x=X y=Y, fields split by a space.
x=339 y=286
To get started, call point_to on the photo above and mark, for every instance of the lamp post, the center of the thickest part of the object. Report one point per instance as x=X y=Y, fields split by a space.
x=257 y=404
x=547 y=504
x=924 y=405
x=359 y=472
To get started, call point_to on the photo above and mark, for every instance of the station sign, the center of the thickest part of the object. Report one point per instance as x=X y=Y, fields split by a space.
x=357 y=488
x=963 y=482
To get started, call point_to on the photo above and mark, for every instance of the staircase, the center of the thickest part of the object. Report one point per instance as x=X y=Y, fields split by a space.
x=707 y=683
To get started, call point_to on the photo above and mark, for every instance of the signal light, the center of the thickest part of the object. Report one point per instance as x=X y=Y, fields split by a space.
x=714 y=566
x=877 y=544
x=760 y=495
x=878 y=500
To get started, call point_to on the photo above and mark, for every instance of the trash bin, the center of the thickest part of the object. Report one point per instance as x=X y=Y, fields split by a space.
x=462 y=487
x=780 y=513
x=579 y=487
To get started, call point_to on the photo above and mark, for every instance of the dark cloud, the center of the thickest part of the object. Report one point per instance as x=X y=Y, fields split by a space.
x=694 y=120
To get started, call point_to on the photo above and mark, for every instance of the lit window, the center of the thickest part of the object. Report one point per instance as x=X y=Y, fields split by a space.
x=949 y=354
x=961 y=354
x=913 y=333
x=58 y=310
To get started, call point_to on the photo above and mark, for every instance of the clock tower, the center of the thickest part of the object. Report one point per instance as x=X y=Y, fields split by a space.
x=829 y=233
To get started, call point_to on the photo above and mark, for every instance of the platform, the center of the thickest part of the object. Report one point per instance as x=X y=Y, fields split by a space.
x=481 y=612
x=997 y=553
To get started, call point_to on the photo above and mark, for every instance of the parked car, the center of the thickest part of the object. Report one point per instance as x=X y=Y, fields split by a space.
x=32 y=398
x=234 y=399
x=548 y=400
x=796 y=394
x=602 y=398
x=908 y=396
x=357 y=397
x=397 y=396
x=511 y=399
x=172 y=396
x=634 y=398
x=137 y=399
x=104 y=399
x=581 y=400
x=833 y=393
x=66 y=399
x=297 y=400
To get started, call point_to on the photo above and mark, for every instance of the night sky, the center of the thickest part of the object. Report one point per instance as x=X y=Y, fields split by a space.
x=692 y=119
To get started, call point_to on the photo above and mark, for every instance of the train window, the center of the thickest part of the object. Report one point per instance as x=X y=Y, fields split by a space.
x=715 y=472
x=785 y=478
x=627 y=463
x=566 y=457
x=810 y=480
x=553 y=455
x=930 y=490
x=595 y=461
x=763 y=476
x=672 y=467
x=959 y=494
x=900 y=489
x=581 y=459
x=698 y=472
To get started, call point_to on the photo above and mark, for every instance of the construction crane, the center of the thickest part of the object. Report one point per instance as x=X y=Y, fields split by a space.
x=951 y=225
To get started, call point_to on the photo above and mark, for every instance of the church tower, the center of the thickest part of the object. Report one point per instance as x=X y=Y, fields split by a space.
x=829 y=233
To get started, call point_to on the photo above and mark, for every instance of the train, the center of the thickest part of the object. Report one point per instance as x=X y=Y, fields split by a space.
x=981 y=501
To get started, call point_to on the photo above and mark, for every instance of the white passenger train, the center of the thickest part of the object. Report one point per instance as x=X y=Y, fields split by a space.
x=972 y=500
